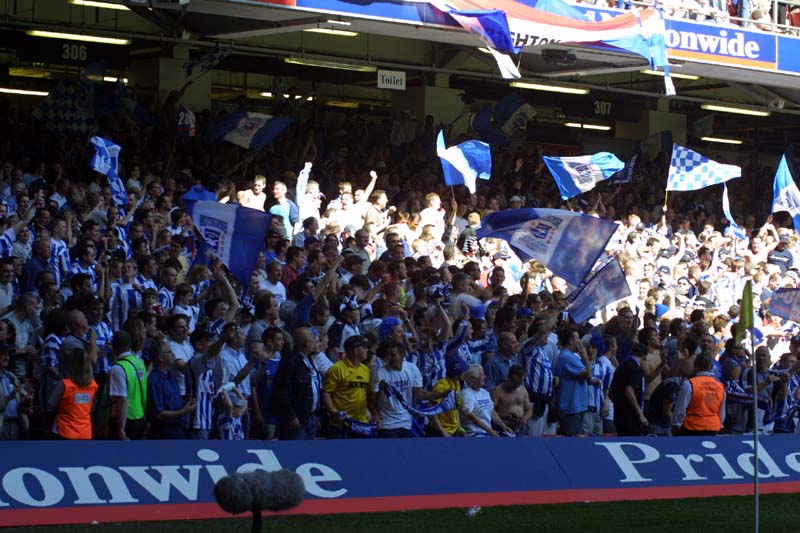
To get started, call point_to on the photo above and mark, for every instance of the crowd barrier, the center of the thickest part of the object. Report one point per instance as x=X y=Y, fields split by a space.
x=81 y=482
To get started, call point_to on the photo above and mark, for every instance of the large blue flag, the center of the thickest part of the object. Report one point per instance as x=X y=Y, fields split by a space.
x=566 y=242
x=462 y=163
x=231 y=232
x=205 y=63
x=607 y=286
x=106 y=161
x=689 y=171
x=248 y=130
x=576 y=175
x=785 y=194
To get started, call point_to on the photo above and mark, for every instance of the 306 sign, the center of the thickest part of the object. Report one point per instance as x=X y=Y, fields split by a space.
x=65 y=52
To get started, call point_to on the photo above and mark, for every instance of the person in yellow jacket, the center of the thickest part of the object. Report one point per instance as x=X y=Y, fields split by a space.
x=344 y=390
x=700 y=405
x=447 y=424
x=72 y=398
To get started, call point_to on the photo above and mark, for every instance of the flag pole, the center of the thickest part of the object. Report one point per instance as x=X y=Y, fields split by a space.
x=755 y=428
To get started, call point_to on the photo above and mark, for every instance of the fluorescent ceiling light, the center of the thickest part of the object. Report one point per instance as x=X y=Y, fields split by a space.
x=113 y=79
x=598 y=127
x=77 y=37
x=549 y=88
x=738 y=110
x=677 y=75
x=346 y=105
x=333 y=31
x=484 y=50
x=720 y=140
x=7 y=90
x=329 y=64
x=102 y=5
x=339 y=22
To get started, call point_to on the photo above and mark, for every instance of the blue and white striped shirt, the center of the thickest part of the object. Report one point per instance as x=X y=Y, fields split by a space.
x=431 y=365
x=50 y=348
x=59 y=259
x=215 y=327
x=76 y=268
x=123 y=298
x=538 y=369
x=104 y=336
x=205 y=393
x=7 y=242
x=146 y=283
x=166 y=298
x=230 y=428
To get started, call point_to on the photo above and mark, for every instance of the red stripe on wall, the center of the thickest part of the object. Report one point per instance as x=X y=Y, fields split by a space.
x=183 y=511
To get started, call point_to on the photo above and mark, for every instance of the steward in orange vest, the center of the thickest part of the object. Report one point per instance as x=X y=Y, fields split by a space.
x=700 y=406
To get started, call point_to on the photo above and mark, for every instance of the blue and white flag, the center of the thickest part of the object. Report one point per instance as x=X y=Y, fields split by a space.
x=186 y=122
x=737 y=230
x=785 y=194
x=233 y=233
x=106 y=161
x=566 y=242
x=463 y=163
x=248 y=130
x=205 y=63
x=495 y=124
x=690 y=171
x=785 y=303
x=627 y=175
x=576 y=175
x=607 y=286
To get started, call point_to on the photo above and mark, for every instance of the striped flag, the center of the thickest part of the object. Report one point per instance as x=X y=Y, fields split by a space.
x=463 y=163
x=106 y=161
x=248 y=130
x=577 y=175
x=785 y=194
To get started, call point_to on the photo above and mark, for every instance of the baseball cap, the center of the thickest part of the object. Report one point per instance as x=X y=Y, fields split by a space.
x=783 y=238
x=664 y=269
x=353 y=259
x=500 y=255
x=524 y=312
x=516 y=198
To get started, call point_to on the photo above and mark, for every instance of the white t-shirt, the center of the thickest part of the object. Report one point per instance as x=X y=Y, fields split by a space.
x=277 y=289
x=185 y=352
x=393 y=414
x=479 y=403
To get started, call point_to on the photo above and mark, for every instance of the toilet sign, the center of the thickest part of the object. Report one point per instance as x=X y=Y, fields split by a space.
x=392 y=79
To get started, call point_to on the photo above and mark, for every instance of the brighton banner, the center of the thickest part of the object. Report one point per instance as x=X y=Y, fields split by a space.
x=100 y=481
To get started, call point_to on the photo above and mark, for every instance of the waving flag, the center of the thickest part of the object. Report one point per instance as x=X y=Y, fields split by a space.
x=496 y=124
x=785 y=194
x=576 y=175
x=463 y=163
x=206 y=63
x=231 y=232
x=785 y=303
x=506 y=26
x=248 y=130
x=690 y=171
x=106 y=161
x=737 y=230
x=566 y=242
x=607 y=286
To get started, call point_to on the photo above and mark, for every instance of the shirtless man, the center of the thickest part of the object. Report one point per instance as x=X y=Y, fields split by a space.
x=511 y=401
x=254 y=198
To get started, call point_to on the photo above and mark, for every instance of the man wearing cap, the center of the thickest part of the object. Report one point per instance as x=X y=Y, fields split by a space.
x=344 y=390
x=780 y=255
x=347 y=324
x=448 y=424
x=515 y=202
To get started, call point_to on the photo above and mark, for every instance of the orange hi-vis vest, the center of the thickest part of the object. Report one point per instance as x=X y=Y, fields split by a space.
x=702 y=413
x=74 y=419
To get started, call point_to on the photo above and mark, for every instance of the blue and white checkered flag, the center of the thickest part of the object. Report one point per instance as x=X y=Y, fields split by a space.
x=690 y=171
x=106 y=161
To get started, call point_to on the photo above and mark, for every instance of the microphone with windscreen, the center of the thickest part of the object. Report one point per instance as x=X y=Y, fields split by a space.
x=259 y=491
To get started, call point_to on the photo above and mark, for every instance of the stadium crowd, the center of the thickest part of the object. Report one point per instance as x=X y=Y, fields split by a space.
x=374 y=309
